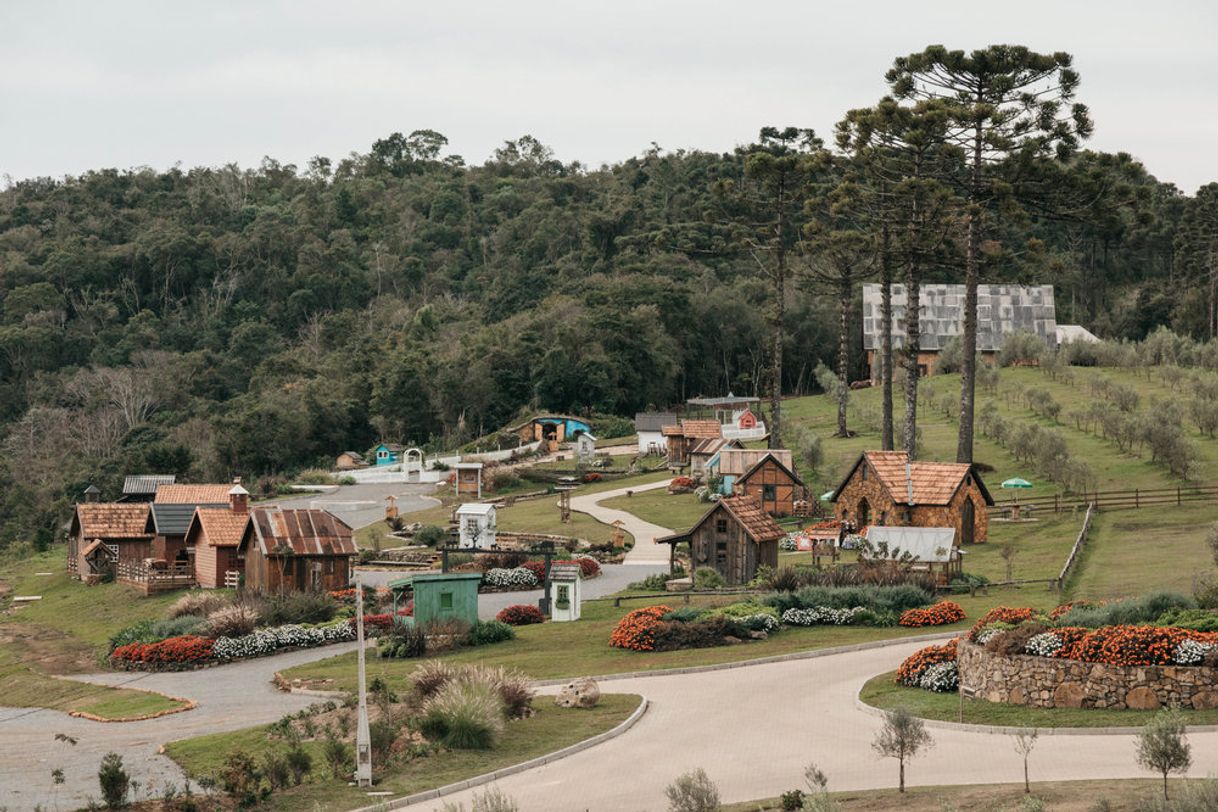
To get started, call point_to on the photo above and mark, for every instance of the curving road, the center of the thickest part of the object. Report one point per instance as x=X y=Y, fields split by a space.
x=645 y=550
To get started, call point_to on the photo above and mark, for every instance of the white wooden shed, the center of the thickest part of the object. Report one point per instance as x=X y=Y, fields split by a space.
x=476 y=523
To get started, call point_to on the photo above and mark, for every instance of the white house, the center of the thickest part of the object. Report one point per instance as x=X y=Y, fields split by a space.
x=585 y=447
x=649 y=427
x=476 y=522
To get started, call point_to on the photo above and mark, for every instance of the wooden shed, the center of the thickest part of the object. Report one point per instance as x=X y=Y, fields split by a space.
x=683 y=436
x=217 y=540
x=774 y=484
x=886 y=488
x=297 y=549
x=121 y=528
x=350 y=461
x=734 y=537
x=467 y=479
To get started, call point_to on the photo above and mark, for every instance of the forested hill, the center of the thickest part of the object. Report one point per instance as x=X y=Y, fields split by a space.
x=218 y=321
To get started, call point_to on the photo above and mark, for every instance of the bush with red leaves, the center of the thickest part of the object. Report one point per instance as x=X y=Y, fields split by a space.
x=521 y=614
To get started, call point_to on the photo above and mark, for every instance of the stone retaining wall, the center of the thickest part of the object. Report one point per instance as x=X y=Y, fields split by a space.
x=1047 y=682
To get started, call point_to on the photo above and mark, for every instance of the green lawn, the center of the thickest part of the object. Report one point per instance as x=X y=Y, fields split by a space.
x=1126 y=795
x=676 y=511
x=550 y=729
x=884 y=692
x=64 y=633
x=1041 y=544
x=1131 y=552
x=554 y=650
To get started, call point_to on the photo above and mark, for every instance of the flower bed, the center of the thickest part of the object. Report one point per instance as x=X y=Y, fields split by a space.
x=637 y=630
x=938 y=614
x=522 y=614
x=588 y=567
x=823 y=616
x=514 y=578
x=172 y=654
x=268 y=641
x=916 y=664
x=1001 y=614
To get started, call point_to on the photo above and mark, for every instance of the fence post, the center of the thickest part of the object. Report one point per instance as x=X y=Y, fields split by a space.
x=1136 y=501
x=1055 y=508
x=1177 y=496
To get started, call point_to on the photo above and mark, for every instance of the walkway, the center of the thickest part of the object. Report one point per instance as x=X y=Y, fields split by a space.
x=362 y=505
x=755 y=729
x=645 y=550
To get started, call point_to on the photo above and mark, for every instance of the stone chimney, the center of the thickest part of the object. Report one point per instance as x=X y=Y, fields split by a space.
x=239 y=498
x=92 y=494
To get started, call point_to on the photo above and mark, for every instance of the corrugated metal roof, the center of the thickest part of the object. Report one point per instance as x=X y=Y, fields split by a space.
x=653 y=421
x=145 y=484
x=305 y=531
x=729 y=400
x=173 y=518
x=1001 y=310
x=925 y=544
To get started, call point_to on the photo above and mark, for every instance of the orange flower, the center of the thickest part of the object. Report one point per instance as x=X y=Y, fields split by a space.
x=637 y=630
x=922 y=659
x=938 y=614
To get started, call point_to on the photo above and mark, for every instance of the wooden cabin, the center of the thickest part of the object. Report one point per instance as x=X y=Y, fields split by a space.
x=649 y=426
x=704 y=451
x=734 y=537
x=169 y=523
x=683 y=436
x=216 y=540
x=774 y=484
x=733 y=463
x=106 y=537
x=297 y=549
x=350 y=461
x=467 y=479
x=885 y=488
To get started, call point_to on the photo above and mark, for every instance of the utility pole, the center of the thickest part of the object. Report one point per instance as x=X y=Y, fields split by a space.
x=363 y=739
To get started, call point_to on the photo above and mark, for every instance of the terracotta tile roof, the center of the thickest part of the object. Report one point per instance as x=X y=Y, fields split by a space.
x=701 y=429
x=922 y=483
x=306 y=531
x=671 y=430
x=756 y=522
x=193 y=494
x=221 y=527
x=113 y=520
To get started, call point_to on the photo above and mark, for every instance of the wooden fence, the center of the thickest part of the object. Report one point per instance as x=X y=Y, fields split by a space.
x=1112 y=500
x=1079 y=543
x=153 y=579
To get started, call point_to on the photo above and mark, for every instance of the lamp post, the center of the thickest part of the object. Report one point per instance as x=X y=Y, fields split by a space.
x=363 y=738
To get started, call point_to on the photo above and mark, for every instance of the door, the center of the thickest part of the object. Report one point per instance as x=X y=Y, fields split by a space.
x=967 y=519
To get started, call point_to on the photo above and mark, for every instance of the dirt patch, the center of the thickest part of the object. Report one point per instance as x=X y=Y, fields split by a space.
x=45 y=648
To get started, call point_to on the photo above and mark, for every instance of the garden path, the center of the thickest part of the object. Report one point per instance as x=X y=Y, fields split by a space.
x=645 y=550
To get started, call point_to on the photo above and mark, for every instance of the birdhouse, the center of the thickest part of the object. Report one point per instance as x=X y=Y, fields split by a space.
x=567 y=581
x=391 y=507
x=619 y=534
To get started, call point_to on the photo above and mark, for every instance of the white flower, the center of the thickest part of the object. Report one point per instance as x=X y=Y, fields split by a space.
x=1190 y=652
x=1045 y=644
x=821 y=615
x=988 y=635
x=759 y=622
x=941 y=678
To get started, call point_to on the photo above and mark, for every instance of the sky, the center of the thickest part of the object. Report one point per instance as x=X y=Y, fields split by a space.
x=89 y=85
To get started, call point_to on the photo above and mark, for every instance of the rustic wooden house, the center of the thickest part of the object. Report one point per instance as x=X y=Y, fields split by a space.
x=108 y=538
x=886 y=488
x=350 y=461
x=734 y=537
x=182 y=494
x=932 y=550
x=774 y=484
x=467 y=479
x=297 y=549
x=683 y=436
x=733 y=463
x=169 y=523
x=704 y=451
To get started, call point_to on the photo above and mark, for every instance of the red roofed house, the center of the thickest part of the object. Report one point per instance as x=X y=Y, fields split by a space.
x=886 y=488
x=734 y=537
x=180 y=494
x=105 y=537
x=683 y=436
x=297 y=549
x=214 y=539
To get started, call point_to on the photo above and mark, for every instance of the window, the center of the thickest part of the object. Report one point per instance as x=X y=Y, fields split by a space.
x=769 y=493
x=922 y=370
x=864 y=512
x=446 y=600
x=720 y=526
x=864 y=477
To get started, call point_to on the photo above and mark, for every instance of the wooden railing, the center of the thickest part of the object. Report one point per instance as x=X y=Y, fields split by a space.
x=174 y=575
x=1111 y=500
x=232 y=579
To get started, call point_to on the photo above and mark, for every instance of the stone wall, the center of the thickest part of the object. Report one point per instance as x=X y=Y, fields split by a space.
x=1047 y=682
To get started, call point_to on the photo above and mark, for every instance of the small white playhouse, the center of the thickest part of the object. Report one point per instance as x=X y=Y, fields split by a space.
x=567 y=582
x=476 y=522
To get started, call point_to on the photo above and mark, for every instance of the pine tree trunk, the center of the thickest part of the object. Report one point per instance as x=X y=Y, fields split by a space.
x=886 y=441
x=972 y=259
x=780 y=290
x=843 y=356
x=912 y=341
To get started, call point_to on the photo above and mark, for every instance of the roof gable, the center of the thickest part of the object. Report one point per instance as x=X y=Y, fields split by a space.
x=112 y=520
x=145 y=484
x=173 y=518
x=219 y=526
x=769 y=457
x=918 y=482
x=737 y=461
x=759 y=525
x=653 y=421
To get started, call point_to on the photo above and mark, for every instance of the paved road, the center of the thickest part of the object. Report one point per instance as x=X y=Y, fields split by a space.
x=613 y=578
x=230 y=697
x=754 y=730
x=361 y=505
x=645 y=550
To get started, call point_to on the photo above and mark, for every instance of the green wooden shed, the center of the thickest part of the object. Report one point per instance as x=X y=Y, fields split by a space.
x=444 y=595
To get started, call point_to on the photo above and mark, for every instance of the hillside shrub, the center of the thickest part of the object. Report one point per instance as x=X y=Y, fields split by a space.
x=637 y=630
x=297 y=607
x=520 y=614
x=232 y=621
x=200 y=603
x=705 y=632
x=708 y=578
x=1132 y=611
x=486 y=632
x=876 y=598
x=657 y=580
x=402 y=641
x=1201 y=620
x=463 y=715
x=431 y=535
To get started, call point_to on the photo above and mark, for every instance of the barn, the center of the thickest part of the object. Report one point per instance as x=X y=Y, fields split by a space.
x=734 y=537
x=887 y=488
x=297 y=549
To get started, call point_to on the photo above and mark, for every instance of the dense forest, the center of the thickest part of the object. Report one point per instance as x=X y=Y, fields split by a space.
x=213 y=321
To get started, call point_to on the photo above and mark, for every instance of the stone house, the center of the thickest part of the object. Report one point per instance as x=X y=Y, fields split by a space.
x=886 y=488
x=734 y=537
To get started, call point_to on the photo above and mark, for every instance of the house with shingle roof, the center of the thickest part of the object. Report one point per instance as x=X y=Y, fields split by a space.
x=887 y=488
x=104 y=534
x=182 y=494
x=683 y=435
x=704 y=451
x=734 y=538
x=649 y=426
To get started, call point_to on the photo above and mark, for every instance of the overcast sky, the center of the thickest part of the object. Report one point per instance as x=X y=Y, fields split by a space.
x=85 y=85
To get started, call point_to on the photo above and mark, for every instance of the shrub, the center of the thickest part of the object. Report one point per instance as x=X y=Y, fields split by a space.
x=517 y=578
x=402 y=641
x=152 y=631
x=657 y=580
x=505 y=560
x=431 y=676
x=199 y=603
x=173 y=653
x=1144 y=609
x=520 y=614
x=338 y=755
x=431 y=535
x=232 y=621
x=1016 y=640
x=637 y=630
x=685 y=614
x=463 y=716
x=693 y=792
x=1201 y=620
x=896 y=598
x=938 y=614
x=708 y=578
x=592 y=476
x=911 y=670
x=787 y=579
x=1011 y=616
x=485 y=632
x=114 y=781
x=298 y=607
x=514 y=688
x=705 y=633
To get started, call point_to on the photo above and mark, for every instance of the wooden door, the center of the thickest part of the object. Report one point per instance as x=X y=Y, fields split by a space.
x=967 y=520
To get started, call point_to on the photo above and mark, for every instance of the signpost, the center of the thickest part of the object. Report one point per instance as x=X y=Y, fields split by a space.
x=363 y=739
